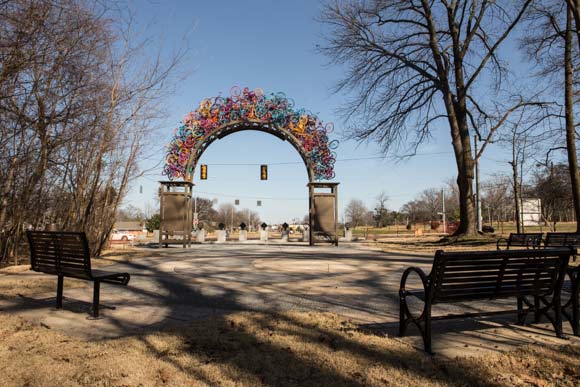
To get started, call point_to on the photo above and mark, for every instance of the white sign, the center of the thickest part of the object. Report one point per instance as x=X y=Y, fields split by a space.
x=531 y=212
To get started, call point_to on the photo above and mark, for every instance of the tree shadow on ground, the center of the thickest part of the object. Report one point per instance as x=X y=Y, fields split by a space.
x=268 y=348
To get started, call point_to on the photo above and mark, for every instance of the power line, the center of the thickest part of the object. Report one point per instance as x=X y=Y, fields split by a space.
x=249 y=197
x=337 y=160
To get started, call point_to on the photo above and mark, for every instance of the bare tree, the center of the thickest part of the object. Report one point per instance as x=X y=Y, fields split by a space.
x=555 y=24
x=525 y=136
x=77 y=99
x=552 y=186
x=381 y=214
x=356 y=213
x=411 y=63
x=497 y=198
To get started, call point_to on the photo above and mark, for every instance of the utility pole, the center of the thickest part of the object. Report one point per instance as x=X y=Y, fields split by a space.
x=195 y=215
x=477 y=197
x=443 y=213
x=236 y=202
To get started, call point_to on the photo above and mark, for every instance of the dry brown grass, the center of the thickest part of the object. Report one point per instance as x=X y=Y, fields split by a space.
x=253 y=349
x=427 y=245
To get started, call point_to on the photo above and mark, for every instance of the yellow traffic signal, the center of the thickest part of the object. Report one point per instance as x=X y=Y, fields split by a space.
x=263 y=172
x=203 y=172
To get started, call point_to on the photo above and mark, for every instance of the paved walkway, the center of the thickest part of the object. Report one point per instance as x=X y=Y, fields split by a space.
x=177 y=285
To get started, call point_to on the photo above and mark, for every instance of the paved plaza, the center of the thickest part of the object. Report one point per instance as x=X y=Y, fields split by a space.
x=172 y=286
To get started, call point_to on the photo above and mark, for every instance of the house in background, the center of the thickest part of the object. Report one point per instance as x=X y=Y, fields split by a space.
x=133 y=227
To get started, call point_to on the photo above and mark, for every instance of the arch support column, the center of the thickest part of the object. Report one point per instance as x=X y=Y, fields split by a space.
x=175 y=199
x=323 y=212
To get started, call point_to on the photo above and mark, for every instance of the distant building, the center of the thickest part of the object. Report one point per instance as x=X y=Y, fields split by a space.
x=134 y=227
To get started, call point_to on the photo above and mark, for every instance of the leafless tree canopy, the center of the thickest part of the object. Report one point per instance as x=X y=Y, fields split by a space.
x=412 y=63
x=356 y=213
x=553 y=47
x=76 y=102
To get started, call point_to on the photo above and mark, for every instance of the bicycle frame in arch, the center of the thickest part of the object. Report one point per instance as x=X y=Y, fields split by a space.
x=248 y=109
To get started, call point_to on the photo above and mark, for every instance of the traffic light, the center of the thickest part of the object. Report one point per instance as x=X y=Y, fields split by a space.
x=263 y=172
x=203 y=172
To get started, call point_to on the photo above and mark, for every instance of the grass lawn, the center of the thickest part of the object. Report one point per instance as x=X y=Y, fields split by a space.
x=501 y=229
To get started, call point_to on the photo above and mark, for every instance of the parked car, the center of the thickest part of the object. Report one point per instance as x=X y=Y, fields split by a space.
x=117 y=235
x=488 y=229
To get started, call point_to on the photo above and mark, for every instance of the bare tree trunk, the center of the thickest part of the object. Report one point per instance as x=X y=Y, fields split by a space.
x=569 y=112
x=516 y=194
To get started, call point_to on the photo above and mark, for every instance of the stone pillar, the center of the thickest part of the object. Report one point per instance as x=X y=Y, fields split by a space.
x=175 y=211
x=323 y=212
x=263 y=235
x=221 y=236
x=243 y=236
x=348 y=235
x=200 y=236
x=285 y=235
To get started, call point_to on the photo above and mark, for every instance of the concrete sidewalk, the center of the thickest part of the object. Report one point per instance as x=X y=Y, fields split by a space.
x=177 y=285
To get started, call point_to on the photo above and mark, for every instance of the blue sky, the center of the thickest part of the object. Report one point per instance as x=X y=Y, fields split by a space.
x=271 y=45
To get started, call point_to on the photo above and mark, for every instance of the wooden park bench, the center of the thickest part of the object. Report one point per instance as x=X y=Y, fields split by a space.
x=527 y=240
x=66 y=254
x=570 y=309
x=562 y=239
x=488 y=275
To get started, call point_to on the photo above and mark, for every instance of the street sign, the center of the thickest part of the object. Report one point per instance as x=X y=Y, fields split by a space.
x=237 y=202
x=259 y=203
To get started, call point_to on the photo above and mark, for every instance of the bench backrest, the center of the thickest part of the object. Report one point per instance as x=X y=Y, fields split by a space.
x=557 y=239
x=525 y=239
x=463 y=276
x=56 y=252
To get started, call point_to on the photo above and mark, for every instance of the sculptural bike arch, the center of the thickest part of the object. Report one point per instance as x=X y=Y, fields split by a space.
x=246 y=109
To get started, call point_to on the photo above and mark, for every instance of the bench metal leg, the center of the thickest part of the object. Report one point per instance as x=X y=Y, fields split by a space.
x=59 y=289
x=558 y=316
x=427 y=333
x=423 y=322
x=96 y=295
x=403 y=321
x=522 y=313
x=574 y=274
x=576 y=310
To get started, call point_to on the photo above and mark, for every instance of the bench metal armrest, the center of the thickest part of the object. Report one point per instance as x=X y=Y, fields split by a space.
x=111 y=278
x=531 y=243
x=424 y=279
x=502 y=241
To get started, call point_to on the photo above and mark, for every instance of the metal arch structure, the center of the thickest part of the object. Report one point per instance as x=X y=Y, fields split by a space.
x=238 y=126
x=246 y=109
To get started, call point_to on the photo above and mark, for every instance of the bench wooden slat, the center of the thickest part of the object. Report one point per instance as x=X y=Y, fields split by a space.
x=562 y=239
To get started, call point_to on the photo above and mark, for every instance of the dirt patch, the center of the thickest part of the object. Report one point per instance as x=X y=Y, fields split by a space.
x=253 y=349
